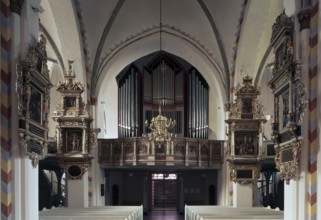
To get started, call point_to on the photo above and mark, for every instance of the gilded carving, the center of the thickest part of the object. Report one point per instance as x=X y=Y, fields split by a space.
x=245 y=174
x=248 y=88
x=33 y=102
x=75 y=138
x=160 y=126
x=245 y=122
x=282 y=24
x=75 y=171
x=290 y=100
x=288 y=168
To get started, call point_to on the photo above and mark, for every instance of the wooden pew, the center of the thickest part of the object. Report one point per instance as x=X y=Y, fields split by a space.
x=94 y=213
x=224 y=212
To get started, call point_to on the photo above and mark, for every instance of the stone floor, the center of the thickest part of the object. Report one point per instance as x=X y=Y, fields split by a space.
x=163 y=215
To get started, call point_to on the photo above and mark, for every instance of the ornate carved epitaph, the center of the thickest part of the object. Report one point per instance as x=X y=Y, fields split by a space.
x=33 y=102
x=74 y=136
x=245 y=125
x=290 y=100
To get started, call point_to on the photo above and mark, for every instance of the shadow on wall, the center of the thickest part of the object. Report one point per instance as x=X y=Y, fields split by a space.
x=212 y=134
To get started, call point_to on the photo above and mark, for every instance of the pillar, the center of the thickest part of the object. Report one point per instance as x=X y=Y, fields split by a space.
x=25 y=188
x=317 y=26
x=298 y=191
x=77 y=192
x=242 y=195
x=97 y=183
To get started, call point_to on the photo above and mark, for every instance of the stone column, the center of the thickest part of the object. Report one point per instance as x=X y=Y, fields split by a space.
x=295 y=199
x=25 y=182
x=242 y=195
x=77 y=192
x=97 y=173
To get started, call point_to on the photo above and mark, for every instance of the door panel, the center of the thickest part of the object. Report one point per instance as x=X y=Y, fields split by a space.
x=164 y=193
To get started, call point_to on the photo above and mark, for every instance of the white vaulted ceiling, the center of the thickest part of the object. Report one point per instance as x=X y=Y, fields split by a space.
x=219 y=37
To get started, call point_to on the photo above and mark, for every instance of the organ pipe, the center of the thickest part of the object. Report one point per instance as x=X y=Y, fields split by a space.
x=128 y=104
x=163 y=93
x=197 y=106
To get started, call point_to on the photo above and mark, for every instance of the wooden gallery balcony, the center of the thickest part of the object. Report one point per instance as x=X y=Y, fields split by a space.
x=181 y=152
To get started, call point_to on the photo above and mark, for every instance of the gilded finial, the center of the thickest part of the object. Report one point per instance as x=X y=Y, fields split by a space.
x=42 y=43
x=43 y=40
x=70 y=69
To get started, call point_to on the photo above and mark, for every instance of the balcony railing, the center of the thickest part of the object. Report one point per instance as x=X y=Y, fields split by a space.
x=180 y=152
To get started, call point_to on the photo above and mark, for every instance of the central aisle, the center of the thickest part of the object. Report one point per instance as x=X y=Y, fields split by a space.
x=163 y=215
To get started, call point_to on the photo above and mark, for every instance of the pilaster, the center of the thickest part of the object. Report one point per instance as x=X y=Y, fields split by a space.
x=318 y=28
x=96 y=177
x=25 y=175
x=301 y=186
x=243 y=195
x=77 y=192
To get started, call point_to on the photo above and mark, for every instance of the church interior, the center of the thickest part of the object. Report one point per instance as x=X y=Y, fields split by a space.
x=160 y=109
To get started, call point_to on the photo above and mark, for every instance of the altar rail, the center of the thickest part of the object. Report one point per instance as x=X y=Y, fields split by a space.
x=224 y=212
x=94 y=213
x=180 y=151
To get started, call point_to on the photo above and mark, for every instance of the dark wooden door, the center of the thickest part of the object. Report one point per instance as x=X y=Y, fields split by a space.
x=164 y=194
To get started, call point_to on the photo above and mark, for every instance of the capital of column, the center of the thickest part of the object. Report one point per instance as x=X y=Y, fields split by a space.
x=16 y=5
x=93 y=100
x=304 y=17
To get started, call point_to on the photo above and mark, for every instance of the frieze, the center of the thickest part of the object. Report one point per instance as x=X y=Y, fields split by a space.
x=119 y=152
x=247 y=126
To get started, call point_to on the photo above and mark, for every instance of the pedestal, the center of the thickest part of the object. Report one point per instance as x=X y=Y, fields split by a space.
x=78 y=192
x=242 y=195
